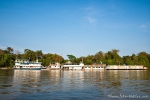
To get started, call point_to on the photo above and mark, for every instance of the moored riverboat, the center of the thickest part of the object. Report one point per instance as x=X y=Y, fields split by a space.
x=55 y=66
x=28 y=65
x=95 y=66
x=73 y=66
x=126 y=67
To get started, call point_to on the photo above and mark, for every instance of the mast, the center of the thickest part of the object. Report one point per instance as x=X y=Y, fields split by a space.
x=82 y=53
x=36 y=59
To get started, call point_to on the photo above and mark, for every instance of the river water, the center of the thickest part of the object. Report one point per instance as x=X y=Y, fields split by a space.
x=74 y=84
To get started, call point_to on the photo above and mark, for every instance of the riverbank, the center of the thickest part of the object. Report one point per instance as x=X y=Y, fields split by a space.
x=5 y=68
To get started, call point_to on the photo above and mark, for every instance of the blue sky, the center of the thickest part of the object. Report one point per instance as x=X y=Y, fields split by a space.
x=77 y=27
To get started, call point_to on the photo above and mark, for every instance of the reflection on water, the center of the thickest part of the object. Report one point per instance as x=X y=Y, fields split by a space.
x=73 y=84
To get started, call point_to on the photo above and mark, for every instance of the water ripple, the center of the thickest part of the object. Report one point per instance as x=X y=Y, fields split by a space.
x=72 y=84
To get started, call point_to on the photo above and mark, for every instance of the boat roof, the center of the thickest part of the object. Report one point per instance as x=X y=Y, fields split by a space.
x=32 y=63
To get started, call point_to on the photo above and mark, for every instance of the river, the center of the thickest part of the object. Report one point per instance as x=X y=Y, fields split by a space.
x=74 y=84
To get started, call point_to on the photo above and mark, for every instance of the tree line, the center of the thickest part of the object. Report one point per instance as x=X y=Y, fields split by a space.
x=8 y=56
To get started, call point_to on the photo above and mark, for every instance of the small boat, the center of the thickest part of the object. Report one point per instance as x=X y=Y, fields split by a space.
x=71 y=66
x=126 y=67
x=28 y=65
x=55 y=66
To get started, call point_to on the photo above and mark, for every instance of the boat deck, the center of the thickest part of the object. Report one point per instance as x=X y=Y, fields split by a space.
x=129 y=67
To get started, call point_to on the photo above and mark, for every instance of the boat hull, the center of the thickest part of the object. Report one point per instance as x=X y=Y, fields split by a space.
x=28 y=68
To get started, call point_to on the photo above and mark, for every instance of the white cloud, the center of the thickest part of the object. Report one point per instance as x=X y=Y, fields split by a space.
x=91 y=19
x=143 y=26
x=90 y=14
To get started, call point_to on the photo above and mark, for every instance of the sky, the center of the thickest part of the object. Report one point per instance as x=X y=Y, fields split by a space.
x=77 y=27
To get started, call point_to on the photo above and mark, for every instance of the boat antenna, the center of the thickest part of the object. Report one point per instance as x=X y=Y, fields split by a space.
x=37 y=59
x=82 y=53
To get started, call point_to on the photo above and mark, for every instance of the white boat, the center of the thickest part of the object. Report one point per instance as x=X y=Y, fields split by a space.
x=98 y=67
x=70 y=66
x=87 y=67
x=125 y=67
x=93 y=67
x=55 y=66
x=27 y=65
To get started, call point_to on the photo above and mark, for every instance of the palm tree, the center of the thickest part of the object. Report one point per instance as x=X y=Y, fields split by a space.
x=28 y=53
x=9 y=49
x=115 y=51
x=39 y=53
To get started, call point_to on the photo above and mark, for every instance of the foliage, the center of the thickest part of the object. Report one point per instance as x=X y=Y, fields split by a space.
x=8 y=56
x=72 y=58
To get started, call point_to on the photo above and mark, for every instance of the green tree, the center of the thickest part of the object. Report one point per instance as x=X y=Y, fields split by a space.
x=134 y=59
x=29 y=54
x=72 y=58
x=10 y=50
x=88 y=60
x=39 y=53
x=127 y=60
x=143 y=59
